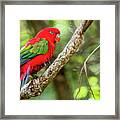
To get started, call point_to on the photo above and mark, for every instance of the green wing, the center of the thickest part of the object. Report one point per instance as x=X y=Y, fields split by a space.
x=31 y=51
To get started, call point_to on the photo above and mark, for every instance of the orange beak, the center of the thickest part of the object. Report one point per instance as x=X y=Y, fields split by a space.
x=57 y=39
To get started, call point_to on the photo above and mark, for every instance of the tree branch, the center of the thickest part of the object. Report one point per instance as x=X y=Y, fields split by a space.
x=37 y=86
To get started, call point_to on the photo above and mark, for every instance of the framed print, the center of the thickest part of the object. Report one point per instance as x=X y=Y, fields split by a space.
x=59 y=59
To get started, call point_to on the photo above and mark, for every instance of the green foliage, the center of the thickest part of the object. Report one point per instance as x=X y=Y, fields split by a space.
x=80 y=93
x=24 y=37
x=96 y=92
x=25 y=33
x=93 y=81
x=78 y=59
x=95 y=68
x=90 y=84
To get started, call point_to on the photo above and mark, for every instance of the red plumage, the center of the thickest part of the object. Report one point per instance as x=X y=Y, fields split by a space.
x=32 y=65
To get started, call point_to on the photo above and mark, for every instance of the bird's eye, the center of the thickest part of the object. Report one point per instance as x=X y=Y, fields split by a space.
x=51 y=32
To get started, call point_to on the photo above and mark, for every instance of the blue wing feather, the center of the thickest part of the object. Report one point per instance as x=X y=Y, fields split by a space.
x=25 y=78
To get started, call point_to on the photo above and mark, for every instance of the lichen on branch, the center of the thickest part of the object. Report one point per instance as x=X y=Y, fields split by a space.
x=37 y=86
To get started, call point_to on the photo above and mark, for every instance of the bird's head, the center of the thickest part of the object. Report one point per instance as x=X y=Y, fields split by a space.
x=50 y=34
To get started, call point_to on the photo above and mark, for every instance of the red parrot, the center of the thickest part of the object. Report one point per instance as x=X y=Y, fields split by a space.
x=34 y=54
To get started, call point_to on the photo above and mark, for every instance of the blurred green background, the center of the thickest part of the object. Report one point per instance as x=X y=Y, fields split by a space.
x=69 y=84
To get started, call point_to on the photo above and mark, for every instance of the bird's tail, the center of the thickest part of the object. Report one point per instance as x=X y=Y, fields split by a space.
x=24 y=77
